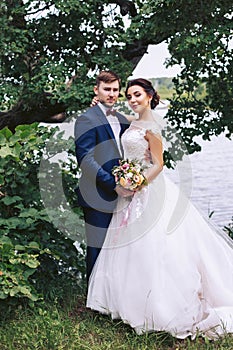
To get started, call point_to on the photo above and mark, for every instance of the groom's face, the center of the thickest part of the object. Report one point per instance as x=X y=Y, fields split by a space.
x=107 y=93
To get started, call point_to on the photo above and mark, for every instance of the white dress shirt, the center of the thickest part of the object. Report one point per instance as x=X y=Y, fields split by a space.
x=114 y=123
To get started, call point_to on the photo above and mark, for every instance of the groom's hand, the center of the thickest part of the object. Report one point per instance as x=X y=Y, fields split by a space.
x=147 y=155
x=123 y=192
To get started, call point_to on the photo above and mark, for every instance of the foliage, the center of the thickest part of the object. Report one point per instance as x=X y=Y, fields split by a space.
x=34 y=250
x=204 y=52
x=17 y=264
x=51 y=50
x=164 y=86
x=44 y=44
x=199 y=37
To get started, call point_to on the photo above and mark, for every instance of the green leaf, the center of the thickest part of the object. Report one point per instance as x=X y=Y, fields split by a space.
x=34 y=245
x=6 y=240
x=27 y=273
x=6 y=151
x=15 y=261
x=3 y=295
x=25 y=290
x=10 y=200
x=34 y=297
x=2 y=139
x=31 y=212
x=13 y=291
x=20 y=247
x=32 y=263
x=6 y=133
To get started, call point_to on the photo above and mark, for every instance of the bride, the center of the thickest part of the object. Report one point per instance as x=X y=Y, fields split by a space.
x=154 y=277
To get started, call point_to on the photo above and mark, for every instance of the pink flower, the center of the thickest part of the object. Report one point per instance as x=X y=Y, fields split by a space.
x=125 y=166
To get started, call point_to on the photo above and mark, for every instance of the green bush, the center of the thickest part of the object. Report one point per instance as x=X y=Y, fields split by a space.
x=34 y=248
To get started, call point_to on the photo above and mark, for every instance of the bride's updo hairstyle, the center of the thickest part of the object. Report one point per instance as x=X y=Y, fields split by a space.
x=148 y=88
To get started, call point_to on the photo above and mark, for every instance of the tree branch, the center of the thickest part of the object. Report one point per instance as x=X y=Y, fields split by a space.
x=126 y=7
x=46 y=113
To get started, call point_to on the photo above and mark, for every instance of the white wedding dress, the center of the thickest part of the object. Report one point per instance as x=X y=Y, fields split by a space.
x=163 y=267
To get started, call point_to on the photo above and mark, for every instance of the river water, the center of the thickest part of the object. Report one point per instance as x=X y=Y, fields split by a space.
x=212 y=180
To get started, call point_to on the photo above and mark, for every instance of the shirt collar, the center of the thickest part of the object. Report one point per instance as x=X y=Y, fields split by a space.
x=104 y=108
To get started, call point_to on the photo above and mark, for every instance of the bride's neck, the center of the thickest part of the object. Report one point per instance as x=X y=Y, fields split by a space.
x=146 y=115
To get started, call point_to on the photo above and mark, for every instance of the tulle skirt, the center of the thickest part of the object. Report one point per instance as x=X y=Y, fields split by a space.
x=164 y=267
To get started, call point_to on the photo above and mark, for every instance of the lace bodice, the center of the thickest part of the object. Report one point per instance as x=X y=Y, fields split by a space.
x=133 y=141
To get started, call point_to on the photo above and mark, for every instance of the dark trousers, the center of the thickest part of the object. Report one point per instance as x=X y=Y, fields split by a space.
x=96 y=225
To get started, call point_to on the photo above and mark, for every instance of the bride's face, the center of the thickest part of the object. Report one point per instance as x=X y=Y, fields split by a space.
x=138 y=99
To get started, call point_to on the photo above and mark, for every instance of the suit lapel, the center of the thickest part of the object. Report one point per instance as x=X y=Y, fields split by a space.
x=124 y=123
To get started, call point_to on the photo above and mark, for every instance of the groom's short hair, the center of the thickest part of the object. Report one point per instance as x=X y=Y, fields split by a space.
x=107 y=76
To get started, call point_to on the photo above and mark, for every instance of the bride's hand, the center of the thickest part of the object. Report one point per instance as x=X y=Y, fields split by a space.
x=123 y=192
x=94 y=101
x=139 y=188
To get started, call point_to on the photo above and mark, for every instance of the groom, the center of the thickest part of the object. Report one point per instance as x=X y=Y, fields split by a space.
x=98 y=149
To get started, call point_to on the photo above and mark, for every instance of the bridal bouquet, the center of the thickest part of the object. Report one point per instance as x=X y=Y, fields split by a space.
x=129 y=174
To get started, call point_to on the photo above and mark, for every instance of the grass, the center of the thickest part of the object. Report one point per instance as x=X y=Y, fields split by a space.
x=70 y=326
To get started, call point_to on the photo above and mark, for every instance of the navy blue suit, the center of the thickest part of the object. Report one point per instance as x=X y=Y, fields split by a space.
x=97 y=153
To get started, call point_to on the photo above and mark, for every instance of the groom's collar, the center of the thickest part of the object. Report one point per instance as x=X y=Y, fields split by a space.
x=104 y=108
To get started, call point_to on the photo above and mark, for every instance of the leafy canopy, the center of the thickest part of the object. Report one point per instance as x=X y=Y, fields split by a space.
x=50 y=51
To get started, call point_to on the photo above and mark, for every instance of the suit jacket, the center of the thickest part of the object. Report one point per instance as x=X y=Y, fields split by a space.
x=97 y=153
